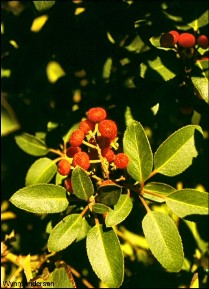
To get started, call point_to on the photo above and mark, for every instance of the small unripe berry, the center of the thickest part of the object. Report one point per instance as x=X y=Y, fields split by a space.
x=121 y=160
x=108 y=154
x=96 y=114
x=68 y=185
x=175 y=35
x=63 y=167
x=202 y=40
x=108 y=128
x=81 y=159
x=167 y=40
x=87 y=125
x=186 y=40
x=76 y=138
x=71 y=151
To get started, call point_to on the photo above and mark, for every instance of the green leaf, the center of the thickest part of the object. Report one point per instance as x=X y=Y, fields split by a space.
x=176 y=153
x=105 y=255
x=164 y=240
x=31 y=144
x=41 y=199
x=9 y=122
x=107 y=68
x=100 y=208
x=137 y=147
x=156 y=65
x=188 y=202
x=201 y=21
x=121 y=211
x=152 y=190
x=43 y=5
x=82 y=184
x=109 y=194
x=41 y=171
x=85 y=227
x=128 y=116
x=64 y=233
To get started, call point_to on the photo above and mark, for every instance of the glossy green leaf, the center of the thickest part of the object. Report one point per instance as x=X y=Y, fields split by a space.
x=120 y=212
x=164 y=240
x=176 y=153
x=109 y=194
x=41 y=199
x=105 y=255
x=41 y=171
x=201 y=21
x=85 y=227
x=100 y=208
x=82 y=184
x=64 y=233
x=187 y=202
x=152 y=190
x=31 y=144
x=137 y=147
x=43 y=5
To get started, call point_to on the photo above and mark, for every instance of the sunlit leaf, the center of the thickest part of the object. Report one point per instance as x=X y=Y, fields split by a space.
x=43 y=5
x=153 y=190
x=38 y=23
x=54 y=71
x=9 y=122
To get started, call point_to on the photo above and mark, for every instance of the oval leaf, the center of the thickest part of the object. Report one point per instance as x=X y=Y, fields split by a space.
x=85 y=227
x=176 y=153
x=82 y=184
x=109 y=194
x=152 y=190
x=31 y=144
x=164 y=240
x=109 y=263
x=137 y=147
x=188 y=202
x=41 y=171
x=64 y=233
x=100 y=208
x=121 y=211
x=41 y=199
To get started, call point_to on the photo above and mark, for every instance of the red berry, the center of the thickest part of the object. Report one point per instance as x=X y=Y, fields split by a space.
x=63 y=167
x=81 y=159
x=96 y=114
x=108 y=129
x=202 y=40
x=72 y=150
x=175 y=35
x=108 y=154
x=76 y=138
x=87 y=125
x=167 y=40
x=121 y=161
x=186 y=40
x=68 y=185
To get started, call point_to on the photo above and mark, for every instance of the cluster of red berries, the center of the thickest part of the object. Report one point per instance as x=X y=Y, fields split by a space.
x=185 y=40
x=94 y=140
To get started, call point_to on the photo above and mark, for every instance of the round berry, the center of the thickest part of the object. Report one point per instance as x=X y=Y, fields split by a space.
x=63 y=167
x=202 y=40
x=87 y=125
x=96 y=114
x=175 y=35
x=81 y=159
x=108 y=129
x=186 y=40
x=72 y=150
x=76 y=138
x=121 y=161
x=68 y=185
x=108 y=154
x=167 y=40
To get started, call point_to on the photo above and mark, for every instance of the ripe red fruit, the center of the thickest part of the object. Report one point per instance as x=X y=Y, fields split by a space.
x=186 y=40
x=167 y=40
x=121 y=160
x=81 y=159
x=202 y=40
x=108 y=128
x=96 y=114
x=76 y=138
x=87 y=125
x=108 y=154
x=63 y=167
x=68 y=185
x=175 y=35
x=72 y=150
